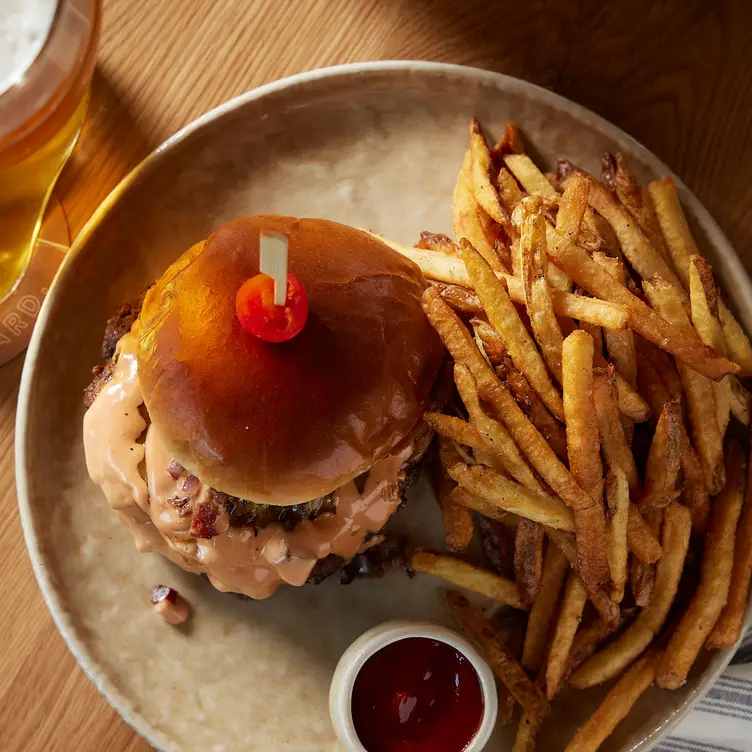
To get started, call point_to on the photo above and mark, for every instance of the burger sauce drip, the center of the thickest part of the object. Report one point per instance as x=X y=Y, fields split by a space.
x=157 y=510
x=417 y=695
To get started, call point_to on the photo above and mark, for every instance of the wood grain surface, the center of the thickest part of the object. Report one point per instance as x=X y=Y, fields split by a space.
x=674 y=74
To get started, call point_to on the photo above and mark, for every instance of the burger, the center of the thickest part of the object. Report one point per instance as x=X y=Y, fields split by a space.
x=259 y=463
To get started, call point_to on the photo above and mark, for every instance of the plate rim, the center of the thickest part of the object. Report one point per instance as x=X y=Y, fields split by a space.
x=52 y=598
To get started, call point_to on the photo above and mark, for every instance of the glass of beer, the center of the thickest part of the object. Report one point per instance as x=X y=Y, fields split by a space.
x=47 y=52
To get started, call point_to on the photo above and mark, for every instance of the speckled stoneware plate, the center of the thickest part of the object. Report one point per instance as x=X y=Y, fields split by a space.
x=374 y=145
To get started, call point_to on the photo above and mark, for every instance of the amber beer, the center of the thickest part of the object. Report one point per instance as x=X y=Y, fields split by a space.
x=47 y=51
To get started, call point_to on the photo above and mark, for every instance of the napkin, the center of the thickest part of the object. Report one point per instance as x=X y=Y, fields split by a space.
x=722 y=720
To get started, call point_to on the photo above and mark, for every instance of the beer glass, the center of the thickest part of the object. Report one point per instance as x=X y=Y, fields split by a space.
x=47 y=51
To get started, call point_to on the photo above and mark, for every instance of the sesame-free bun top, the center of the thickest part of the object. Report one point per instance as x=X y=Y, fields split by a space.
x=287 y=422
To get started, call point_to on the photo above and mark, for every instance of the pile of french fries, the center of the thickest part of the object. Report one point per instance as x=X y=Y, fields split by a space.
x=599 y=437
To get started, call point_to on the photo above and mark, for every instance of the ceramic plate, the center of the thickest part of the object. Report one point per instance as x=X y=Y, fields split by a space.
x=377 y=146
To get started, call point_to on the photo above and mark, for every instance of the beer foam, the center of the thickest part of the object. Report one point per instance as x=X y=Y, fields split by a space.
x=24 y=26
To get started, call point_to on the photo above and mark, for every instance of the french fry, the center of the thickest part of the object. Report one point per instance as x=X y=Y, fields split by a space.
x=433 y=241
x=510 y=496
x=588 y=639
x=617 y=498
x=482 y=168
x=673 y=224
x=542 y=611
x=664 y=459
x=572 y=207
x=503 y=663
x=528 y=558
x=706 y=433
x=457 y=520
x=469 y=576
x=613 y=659
x=450 y=270
x=583 y=447
x=635 y=199
x=620 y=345
x=493 y=433
x=597 y=281
x=737 y=343
x=529 y=176
x=617 y=704
x=645 y=259
x=504 y=318
x=509 y=192
x=640 y=538
x=715 y=578
x=728 y=628
x=527 y=732
x=470 y=219
x=462 y=299
x=456 y=429
x=703 y=296
x=695 y=492
x=599 y=597
x=537 y=294
x=740 y=400
x=567 y=622
x=485 y=508
x=509 y=143
x=613 y=442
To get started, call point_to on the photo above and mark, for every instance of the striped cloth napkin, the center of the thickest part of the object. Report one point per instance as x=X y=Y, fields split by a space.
x=722 y=721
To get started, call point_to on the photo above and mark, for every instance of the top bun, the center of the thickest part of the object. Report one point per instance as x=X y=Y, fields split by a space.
x=285 y=423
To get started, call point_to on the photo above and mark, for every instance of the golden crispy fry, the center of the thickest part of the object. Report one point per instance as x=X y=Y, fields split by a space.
x=613 y=659
x=588 y=639
x=433 y=241
x=527 y=732
x=572 y=207
x=620 y=345
x=737 y=343
x=451 y=270
x=528 y=558
x=617 y=704
x=617 y=498
x=482 y=168
x=450 y=458
x=715 y=578
x=461 y=497
x=597 y=281
x=502 y=661
x=728 y=628
x=703 y=296
x=583 y=446
x=636 y=200
x=631 y=405
x=456 y=429
x=664 y=460
x=461 y=346
x=509 y=143
x=510 y=496
x=543 y=609
x=457 y=520
x=613 y=442
x=599 y=597
x=740 y=400
x=694 y=493
x=509 y=192
x=567 y=622
x=673 y=223
x=537 y=294
x=471 y=221
x=640 y=538
x=469 y=576
x=504 y=318
x=529 y=176
x=706 y=433
x=645 y=259
x=494 y=434
x=462 y=299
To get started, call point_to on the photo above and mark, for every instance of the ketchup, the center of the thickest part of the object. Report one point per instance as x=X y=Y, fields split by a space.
x=417 y=695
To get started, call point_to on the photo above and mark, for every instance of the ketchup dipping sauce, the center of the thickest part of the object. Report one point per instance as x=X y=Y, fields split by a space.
x=417 y=695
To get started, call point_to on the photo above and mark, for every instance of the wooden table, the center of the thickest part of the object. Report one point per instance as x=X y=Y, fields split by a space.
x=674 y=74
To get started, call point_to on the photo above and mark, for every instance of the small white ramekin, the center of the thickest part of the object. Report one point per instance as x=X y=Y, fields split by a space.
x=352 y=660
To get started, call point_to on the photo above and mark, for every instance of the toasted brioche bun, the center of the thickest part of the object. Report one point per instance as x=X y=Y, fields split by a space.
x=286 y=423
